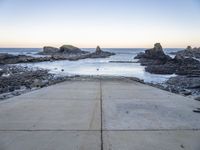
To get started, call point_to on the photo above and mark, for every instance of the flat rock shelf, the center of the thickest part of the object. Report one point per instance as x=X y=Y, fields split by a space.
x=99 y=114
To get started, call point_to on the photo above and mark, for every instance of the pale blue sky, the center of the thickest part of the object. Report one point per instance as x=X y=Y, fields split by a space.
x=109 y=23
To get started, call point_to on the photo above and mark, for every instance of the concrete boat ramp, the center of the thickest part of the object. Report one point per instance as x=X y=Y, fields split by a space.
x=99 y=114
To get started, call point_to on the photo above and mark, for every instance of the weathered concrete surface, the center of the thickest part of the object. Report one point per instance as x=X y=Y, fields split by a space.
x=140 y=117
x=73 y=90
x=70 y=115
x=50 y=140
x=152 y=140
x=59 y=117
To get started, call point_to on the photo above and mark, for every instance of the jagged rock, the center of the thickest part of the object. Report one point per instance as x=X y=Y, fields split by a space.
x=185 y=82
x=13 y=59
x=98 y=50
x=100 y=54
x=152 y=56
x=189 y=48
x=178 y=65
x=161 y=69
x=189 y=52
x=157 y=62
x=186 y=66
x=66 y=52
x=154 y=53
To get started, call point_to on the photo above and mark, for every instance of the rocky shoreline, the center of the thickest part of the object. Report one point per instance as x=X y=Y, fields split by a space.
x=66 y=52
x=187 y=69
x=16 y=80
x=189 y=52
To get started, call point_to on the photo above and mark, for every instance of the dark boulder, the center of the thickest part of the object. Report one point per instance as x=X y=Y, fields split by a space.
x=69 y=49
x=154 y=53
x=14 y=59
x=98 y=50
x=186 y=66
x=63 y=50
x=184 y=82
x=100 y=53
x=190 y=52
x=157 y=62
x=152 y=56
x=50 y=50
x=179 y=65
x=161 y=69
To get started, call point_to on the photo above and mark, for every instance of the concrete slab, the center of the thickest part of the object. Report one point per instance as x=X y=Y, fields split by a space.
x=68 y=116
x=70 y=90
x=151 y=140
x=134 y=106
x=128 y=90
x=40 y=114
x=149 y=114
x=50 y=140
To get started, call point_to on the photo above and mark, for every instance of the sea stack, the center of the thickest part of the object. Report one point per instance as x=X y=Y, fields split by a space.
x=155 y=55
x=98 y=50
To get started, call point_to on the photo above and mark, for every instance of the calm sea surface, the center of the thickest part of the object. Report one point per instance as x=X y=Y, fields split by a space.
x=99 y=66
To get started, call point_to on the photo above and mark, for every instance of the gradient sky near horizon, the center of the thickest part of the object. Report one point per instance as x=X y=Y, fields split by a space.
x=108 y=23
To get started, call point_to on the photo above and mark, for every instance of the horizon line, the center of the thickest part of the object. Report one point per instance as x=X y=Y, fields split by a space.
x=100 y=47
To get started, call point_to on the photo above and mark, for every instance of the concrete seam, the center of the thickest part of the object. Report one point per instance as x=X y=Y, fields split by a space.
x=101 y=109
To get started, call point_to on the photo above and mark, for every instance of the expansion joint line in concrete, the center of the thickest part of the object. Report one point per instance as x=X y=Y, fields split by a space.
x=101 y=109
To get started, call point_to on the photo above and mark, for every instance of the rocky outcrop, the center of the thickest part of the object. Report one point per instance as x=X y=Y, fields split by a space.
x=65 y=53
x=157 y=62
x=189 y=52
x=13 y=59
x=69 y=49
x=98 y=50
x=185 y=85
x=154 y=56
x=17 y=80
x=99 y=53
x=186 y=82
x=63 y=50
x=178 y=65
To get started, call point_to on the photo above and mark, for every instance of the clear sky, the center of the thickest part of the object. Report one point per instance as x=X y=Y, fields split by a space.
x=108 y=23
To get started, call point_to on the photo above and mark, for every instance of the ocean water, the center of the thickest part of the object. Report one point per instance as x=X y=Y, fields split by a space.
x=100 y=66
